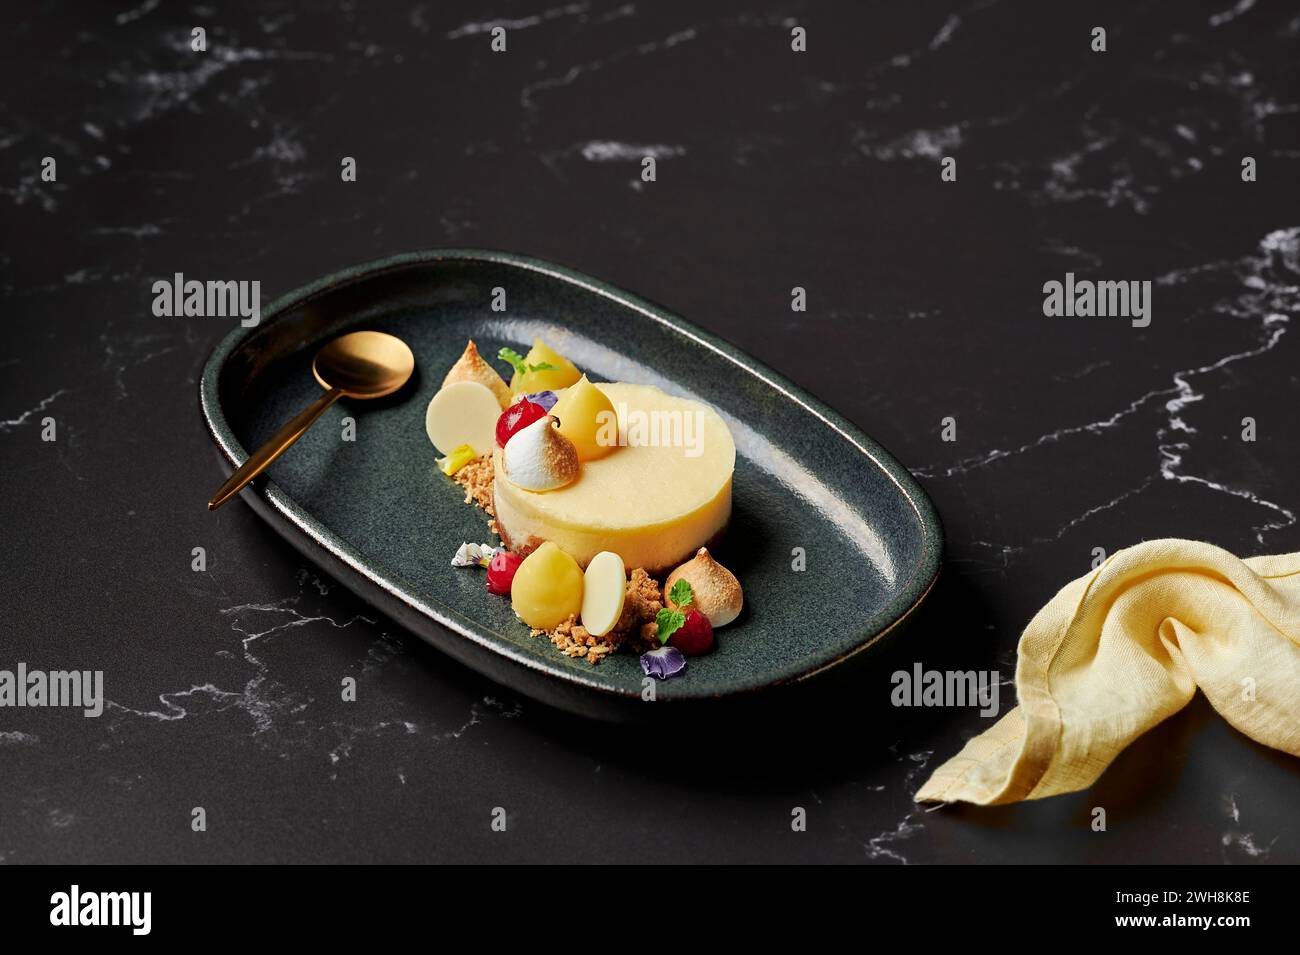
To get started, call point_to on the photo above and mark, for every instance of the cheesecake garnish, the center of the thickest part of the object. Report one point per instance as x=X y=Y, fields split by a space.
x=668 y=622
x=539 y=457
x=517 y=362
x=463 y=412
x=456 y=460
x=663 y=663
x=546 y=399
x=471 y=367
x=547 y=588
x=470 y=554
x=715 y=590
x=582 y=409
x=476 y=478
x=604 y=591
x=542 y=369
x=681 y=594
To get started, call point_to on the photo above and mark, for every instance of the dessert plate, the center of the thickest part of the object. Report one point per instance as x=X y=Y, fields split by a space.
x=833 y=540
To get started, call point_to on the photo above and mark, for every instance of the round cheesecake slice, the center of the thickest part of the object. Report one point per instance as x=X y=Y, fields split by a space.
x=654 y=500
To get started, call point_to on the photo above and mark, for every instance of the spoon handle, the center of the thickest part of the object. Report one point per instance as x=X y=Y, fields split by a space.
x=261 y=459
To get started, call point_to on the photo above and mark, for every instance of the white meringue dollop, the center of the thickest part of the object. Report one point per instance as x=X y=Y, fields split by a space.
x=539 y=458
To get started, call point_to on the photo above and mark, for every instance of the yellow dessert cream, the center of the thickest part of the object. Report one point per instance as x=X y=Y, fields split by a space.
x=654 y=500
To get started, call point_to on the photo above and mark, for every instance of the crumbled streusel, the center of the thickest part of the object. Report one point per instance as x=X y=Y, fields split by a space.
x=644 y=600
x=476 y=478
x=573 y=640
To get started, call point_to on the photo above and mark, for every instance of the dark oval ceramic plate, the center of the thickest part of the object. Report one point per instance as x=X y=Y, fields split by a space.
x=377 y=515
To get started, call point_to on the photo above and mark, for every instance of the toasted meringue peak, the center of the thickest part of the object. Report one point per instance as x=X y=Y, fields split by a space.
x=470 y=366
x=717 y=591
x=539 y=458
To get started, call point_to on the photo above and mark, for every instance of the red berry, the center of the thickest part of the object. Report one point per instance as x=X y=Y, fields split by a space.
x=501 y=572
x=517 y=417
x=695 y=636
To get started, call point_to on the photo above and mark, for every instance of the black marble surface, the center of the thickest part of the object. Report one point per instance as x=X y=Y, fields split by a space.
x=775 y=169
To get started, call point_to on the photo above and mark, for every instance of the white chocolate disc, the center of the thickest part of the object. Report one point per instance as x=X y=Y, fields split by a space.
x=464 y=412
x=603 y=591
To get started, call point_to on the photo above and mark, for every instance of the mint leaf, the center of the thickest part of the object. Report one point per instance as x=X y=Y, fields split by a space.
x=681 y=594
x=515 y=359
x=668 y=622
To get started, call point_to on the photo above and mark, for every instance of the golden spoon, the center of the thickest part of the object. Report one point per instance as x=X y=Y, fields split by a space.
x=356 y=365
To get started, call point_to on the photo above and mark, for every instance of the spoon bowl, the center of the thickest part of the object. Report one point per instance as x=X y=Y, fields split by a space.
x=364 y=364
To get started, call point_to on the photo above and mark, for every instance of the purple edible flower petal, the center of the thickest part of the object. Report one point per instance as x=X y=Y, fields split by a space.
x=546 y=399
x=664 y=663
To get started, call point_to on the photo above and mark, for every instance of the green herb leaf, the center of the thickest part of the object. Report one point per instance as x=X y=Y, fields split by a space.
x=515 y=359
x=668 y=622
x=682 y=595
x=517 y=362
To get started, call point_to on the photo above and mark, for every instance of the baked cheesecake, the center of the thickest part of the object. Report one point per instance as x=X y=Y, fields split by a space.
x=662 y=492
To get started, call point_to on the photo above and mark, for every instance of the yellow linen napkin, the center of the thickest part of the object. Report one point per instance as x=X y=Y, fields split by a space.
x=1120 y=649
